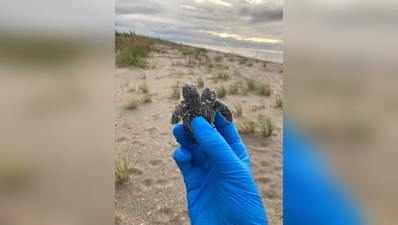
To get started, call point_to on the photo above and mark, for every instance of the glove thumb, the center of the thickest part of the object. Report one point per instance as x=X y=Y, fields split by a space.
x=183 y=158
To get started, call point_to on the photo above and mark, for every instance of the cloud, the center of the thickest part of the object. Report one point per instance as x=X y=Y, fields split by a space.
x=237 y=24
x=188 y=7
x=215 y=2
x=260 y=14
x=241 y=38
x=136 y=9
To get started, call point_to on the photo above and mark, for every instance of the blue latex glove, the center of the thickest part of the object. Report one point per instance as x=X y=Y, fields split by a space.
x=217 y=175
x=311 y=194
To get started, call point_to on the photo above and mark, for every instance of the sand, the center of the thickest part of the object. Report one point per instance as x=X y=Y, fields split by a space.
x=155 y=192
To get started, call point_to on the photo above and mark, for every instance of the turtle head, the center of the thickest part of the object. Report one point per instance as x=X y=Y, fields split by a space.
x=208 y=95
x=190 y=93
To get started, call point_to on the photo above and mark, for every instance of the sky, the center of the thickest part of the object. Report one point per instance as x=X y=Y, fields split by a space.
x=247 y=27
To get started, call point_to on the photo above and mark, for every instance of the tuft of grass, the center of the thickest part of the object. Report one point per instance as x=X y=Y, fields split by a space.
x=175 y=94
x=221 y=92
x=147 y=98
x=234 y=88
x=218 y=59
x=195 y=56
x=131 y=87
x=251 y=84
x=132 y=104
x=221 y=66
x=144 y=88
x=222 y=76
x=121 y=171
x=238 y=112
x=244 y=90
x=243 y=60
x=265 y=125
x=200 y=82
x=263 y=89
x=186 y=51
x=246 y=126
x=279 y=102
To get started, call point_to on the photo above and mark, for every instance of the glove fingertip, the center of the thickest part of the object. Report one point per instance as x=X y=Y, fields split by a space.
x=227 y=129
x=178 y=130
x=199 y=123
x=182 y=155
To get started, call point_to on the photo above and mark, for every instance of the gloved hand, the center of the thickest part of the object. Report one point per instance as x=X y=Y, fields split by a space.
x=311 y=193
x=216 y=170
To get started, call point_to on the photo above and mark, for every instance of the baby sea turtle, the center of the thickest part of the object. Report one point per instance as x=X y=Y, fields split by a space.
x=195 y=104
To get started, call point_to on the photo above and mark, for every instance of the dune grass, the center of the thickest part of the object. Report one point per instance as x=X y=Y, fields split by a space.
x=132 y=50
x=121 y=171
x=238 y=110
x=200 y=82
x=144 y=88
x=246 y=126
x=265 y=125
x=147 y=98
x=221 y=92
x=263 y=89
x=132 y=104
x=218 y=59
x=279 y=102
x=222 y=76
x=238 y=88
x=251 y=84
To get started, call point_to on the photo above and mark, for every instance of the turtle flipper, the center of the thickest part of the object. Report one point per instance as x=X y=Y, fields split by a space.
x=176 y=117
x=223 y=109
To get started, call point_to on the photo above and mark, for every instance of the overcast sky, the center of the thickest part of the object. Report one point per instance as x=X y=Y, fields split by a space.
x=246 y=27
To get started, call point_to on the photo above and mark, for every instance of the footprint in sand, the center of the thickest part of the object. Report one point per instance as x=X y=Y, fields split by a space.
x=165 y=215
x=147 y=182
x=163 y=183
x=261 y=171
x=121 y=139
x=263 y=180
x=155 y=162
x=270 y=194
x=265 y=163
x=135 y=171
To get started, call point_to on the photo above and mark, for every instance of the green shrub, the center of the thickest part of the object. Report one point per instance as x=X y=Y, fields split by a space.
x=266 y=126
x=222 y=76
x=121 y=171
x=221 y=66
x=236 y=88
x=246 y=126
x=132 y=50
x=251 y=84
x=263 y=89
